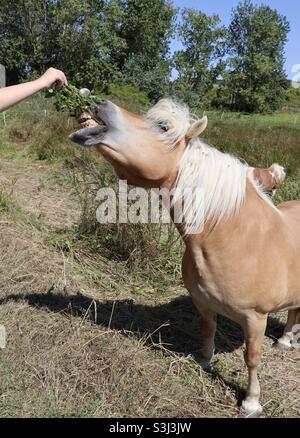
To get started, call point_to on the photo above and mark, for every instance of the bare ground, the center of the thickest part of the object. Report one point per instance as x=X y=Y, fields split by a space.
x=86 y=340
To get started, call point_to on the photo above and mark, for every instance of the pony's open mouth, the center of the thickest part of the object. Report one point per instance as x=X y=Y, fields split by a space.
x=88 y=119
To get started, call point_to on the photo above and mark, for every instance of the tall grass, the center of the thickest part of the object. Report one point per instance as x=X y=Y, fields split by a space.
x=151 y=251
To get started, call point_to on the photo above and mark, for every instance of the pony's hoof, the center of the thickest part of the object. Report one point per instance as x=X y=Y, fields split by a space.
x=205 y=365
x=283 y=344
x=252 y=408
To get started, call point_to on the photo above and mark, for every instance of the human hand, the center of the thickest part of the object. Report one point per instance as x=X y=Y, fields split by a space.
x=51 y=76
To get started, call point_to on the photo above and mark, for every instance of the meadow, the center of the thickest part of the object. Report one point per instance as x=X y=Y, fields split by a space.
x=98 y=321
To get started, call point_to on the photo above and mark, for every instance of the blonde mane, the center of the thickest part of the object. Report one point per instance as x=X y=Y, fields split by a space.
x=210 y=185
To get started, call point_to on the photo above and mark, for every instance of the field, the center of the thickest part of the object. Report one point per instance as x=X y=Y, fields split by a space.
x=98 y=321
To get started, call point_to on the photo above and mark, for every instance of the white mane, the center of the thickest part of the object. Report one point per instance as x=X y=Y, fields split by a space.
x=210 y=184
x=221 y=179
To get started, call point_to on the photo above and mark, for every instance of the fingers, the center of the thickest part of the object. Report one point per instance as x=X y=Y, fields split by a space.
x=53 y=77
x=61 y=79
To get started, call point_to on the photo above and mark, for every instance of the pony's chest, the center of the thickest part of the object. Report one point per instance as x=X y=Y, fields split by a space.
x=203 y=278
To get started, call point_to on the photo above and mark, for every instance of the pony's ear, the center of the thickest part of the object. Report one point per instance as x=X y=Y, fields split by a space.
x=197 y=128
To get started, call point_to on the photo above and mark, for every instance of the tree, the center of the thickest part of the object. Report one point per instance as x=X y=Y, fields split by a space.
x=200 y=62
x=154 y=81
x=21 y=39
x=87 y=40
x=147 y=28
x=255 y=80
x=78 y=36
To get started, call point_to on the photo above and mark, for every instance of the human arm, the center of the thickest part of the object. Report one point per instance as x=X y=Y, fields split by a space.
x=14 y=94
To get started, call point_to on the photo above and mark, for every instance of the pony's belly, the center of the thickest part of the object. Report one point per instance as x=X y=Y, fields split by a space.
x=234 y=285
x=233 y=296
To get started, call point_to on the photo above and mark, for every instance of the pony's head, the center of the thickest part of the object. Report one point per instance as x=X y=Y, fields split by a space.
x=145 y=150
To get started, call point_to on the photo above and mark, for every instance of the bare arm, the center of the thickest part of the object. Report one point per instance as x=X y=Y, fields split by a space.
x=9 y=96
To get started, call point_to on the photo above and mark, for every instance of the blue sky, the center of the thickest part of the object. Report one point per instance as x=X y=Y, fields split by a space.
x=290 y=8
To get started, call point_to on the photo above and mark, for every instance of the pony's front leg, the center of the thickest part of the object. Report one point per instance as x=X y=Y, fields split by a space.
x=209 y=326
x=254 y=330
x=285 y=342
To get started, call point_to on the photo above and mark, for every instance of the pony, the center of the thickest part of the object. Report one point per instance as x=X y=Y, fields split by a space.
x=242 y=253
x=270 y=179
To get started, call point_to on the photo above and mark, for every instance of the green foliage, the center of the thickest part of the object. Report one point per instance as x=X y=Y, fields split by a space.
x=255 y=80
x=293 y=97
x=22 y=43
x=199 y=63
x=154 y=81
x=89 y=40
x=70 y=99
x=78 y=36
x=147 y=27
x=128 y=97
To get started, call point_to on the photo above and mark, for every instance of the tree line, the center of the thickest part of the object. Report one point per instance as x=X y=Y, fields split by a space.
x=100 y=42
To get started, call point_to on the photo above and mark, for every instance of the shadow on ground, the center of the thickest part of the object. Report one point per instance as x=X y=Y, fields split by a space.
x=173 y=327
x=175 y=324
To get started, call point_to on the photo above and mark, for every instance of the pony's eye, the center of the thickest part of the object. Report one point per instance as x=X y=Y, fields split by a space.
x=163 y=126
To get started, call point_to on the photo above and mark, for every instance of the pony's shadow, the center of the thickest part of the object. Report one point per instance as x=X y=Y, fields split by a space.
x=173 y=327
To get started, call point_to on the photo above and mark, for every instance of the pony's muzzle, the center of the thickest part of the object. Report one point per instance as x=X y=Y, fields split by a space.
x=89 y=136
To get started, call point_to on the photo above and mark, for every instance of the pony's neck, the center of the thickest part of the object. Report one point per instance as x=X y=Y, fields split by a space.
x=210 y=186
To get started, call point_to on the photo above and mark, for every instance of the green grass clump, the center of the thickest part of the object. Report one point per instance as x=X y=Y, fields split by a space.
x=7 y=204
x=294 y=97
x=7 y=151
x=290 y=190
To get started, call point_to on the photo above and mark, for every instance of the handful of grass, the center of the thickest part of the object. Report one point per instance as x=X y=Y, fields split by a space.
x=74 y=101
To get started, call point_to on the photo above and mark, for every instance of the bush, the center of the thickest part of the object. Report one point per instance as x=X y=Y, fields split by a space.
x=153 y=81
x=128 y=97
x=293 y=97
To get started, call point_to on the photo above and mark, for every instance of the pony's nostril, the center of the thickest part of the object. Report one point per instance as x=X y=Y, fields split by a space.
x=94 y=108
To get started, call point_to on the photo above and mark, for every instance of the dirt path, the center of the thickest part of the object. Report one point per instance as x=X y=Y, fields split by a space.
x=41 y=189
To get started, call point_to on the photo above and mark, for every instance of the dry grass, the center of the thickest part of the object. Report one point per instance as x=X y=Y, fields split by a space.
x=93 y=332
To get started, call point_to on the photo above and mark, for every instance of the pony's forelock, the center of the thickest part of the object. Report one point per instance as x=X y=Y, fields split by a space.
x=172 y=115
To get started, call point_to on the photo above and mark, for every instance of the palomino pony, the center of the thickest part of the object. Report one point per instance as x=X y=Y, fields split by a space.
x=270 y=179
x=242 y=257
